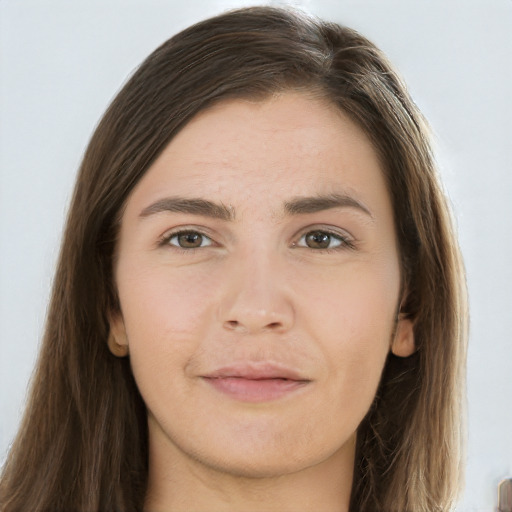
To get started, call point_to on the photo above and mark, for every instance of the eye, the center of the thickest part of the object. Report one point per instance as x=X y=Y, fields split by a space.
x=188 y=240
x=322 y=239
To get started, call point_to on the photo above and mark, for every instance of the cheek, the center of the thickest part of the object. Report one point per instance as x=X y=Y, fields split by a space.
x=166 y=314
x=162 y=301
x=351 y=314
x=352 y=302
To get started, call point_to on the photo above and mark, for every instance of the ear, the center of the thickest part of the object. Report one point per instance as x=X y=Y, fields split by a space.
x=403 y=342
x=117 y=339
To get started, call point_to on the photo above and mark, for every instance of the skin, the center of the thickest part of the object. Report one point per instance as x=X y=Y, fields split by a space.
x=258 y=289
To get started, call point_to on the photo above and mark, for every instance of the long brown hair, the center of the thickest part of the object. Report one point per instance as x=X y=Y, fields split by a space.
x=82 y=444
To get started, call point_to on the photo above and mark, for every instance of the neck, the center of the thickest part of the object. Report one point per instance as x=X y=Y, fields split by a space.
x=179 y=484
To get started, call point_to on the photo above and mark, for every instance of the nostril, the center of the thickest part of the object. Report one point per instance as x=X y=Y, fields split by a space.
x=235 y=325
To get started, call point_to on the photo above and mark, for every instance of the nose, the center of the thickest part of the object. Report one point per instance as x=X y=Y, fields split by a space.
x=256 y=298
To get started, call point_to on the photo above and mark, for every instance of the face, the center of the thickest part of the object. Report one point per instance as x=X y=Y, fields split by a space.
x=258 y=279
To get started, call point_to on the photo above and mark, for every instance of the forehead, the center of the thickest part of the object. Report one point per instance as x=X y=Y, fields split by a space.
x=244 y=151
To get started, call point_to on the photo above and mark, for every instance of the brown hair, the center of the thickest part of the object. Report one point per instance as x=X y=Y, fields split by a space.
x=82 y=444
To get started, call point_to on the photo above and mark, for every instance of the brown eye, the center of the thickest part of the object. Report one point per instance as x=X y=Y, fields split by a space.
x=189 y=240
x=318 y=240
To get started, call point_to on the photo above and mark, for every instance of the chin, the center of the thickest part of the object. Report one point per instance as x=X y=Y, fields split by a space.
x=258 y=467
x=271 y=457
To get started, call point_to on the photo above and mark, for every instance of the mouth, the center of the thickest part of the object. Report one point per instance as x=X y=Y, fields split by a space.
x=256 y=383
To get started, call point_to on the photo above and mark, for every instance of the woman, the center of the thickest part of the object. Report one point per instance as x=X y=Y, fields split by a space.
x=260 y=302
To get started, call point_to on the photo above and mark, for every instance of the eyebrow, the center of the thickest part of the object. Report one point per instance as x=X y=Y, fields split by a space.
x=189 y=205
x=303 y=205
x=296 y=206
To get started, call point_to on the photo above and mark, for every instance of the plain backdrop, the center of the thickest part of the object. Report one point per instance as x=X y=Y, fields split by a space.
x=61 y=62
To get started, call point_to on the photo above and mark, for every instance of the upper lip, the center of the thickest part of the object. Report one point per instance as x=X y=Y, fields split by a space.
x=256 y=371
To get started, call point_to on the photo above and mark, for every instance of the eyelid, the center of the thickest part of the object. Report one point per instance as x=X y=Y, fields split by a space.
x=179 y=230
x=347 y=241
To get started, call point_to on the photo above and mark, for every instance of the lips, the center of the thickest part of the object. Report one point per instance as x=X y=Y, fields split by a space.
x=256 y=382
x=257 y=371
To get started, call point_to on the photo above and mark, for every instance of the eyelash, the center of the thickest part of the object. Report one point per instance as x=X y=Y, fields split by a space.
x=166 y=239
x=344 y=241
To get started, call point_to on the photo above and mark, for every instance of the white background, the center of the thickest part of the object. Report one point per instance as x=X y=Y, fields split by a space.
x=61 y=62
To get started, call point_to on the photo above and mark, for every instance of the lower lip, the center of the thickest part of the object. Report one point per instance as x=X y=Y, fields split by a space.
x=252 y=390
